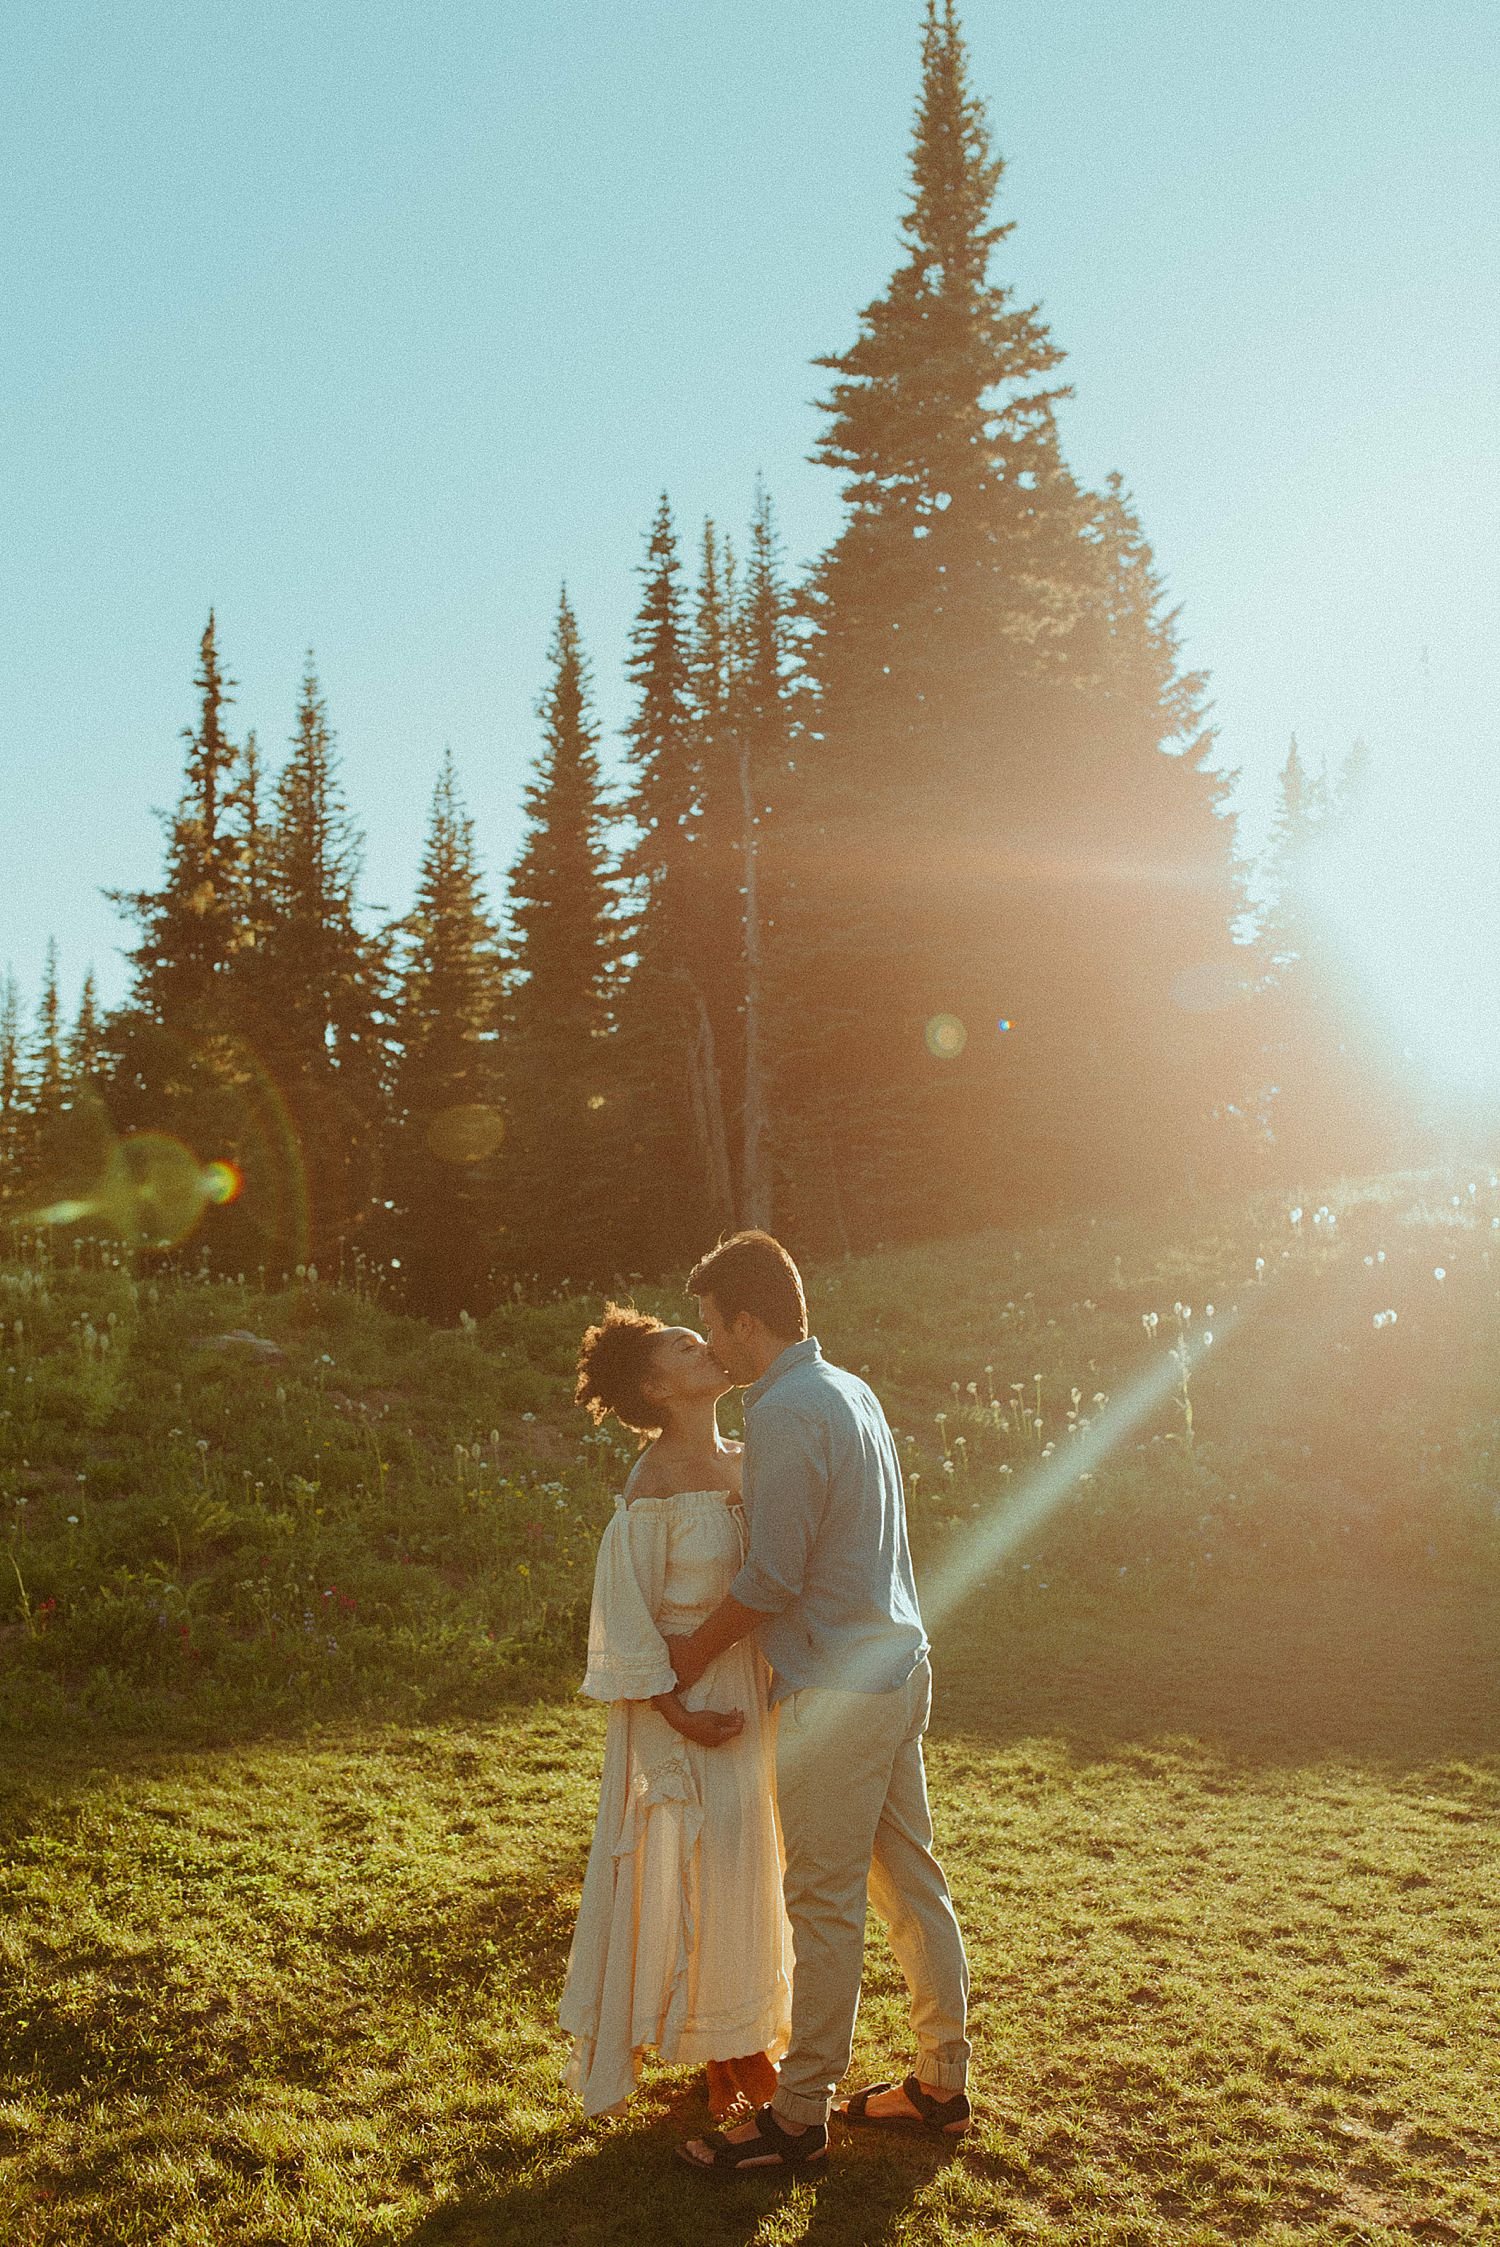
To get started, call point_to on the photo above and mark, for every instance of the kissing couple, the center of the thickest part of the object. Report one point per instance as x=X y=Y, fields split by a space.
x=756 y=1634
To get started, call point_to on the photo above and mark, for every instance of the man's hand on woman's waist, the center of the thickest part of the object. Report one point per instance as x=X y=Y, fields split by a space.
x=728 y=1624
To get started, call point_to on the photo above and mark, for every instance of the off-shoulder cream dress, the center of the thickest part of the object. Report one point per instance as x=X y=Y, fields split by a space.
x=682 y=1940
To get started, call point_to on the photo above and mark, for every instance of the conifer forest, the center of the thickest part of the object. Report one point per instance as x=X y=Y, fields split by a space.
x=919 y=908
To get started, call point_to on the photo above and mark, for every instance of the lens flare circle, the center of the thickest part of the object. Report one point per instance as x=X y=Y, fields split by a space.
x=946 y=1037
x=466 y=1133
x=223 y=1182
x=156 y=1188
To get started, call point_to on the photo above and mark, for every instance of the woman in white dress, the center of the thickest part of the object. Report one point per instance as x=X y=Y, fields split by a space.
x=682 y=1941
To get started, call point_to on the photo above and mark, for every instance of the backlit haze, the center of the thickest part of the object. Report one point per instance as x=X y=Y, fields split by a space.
x=368 y=325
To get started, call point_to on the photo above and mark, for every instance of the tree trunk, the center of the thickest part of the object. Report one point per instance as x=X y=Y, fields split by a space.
x=708 y=1109
x=755 y=1171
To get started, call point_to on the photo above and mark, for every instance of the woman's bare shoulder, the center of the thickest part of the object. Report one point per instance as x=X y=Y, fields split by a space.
x=647 y=1478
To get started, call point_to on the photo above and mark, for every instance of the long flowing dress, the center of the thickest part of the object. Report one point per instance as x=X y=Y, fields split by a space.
x=682 y=1940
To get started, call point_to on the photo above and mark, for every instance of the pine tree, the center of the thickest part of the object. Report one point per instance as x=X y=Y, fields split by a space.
x=445 y=1159
x=565 y=1170
x=1132 y=986
x=188 y=926
x=763 y=734
x=255 y=901
x=669 y=1053
x=15 y=1099
x=176 y=1063
x=948 y=594
x=993 y=671
x=311 y=977
x=716 y=960
x=49 y=1062
x=86 y=1044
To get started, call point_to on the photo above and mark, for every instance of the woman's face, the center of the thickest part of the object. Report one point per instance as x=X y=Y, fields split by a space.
x=683 y=1368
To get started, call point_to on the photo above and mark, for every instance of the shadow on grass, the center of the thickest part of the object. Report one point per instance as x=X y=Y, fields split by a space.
x=1361 y=1668
x=1358 y=1669
x=627 y=2186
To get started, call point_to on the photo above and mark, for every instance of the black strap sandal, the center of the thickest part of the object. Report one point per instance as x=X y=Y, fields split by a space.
x=936 y=2118
x=771 y=2148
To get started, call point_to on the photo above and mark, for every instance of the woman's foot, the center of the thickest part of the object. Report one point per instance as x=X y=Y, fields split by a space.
x=755 y=2078
x=723 y=2091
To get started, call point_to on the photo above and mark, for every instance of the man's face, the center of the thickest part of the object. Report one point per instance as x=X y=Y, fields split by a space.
x=726 y=1346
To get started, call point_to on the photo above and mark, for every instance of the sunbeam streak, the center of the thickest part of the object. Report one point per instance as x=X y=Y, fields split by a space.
x=945 y=1587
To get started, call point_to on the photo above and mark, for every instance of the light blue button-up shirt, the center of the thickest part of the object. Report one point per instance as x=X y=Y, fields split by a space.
x=829 y=1563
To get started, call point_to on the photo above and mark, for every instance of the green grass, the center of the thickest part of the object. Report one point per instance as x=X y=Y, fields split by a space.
x=283 y=1929
x=1229 y=1881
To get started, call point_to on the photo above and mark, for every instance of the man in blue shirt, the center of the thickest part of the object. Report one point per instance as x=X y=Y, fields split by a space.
x=828 y=1585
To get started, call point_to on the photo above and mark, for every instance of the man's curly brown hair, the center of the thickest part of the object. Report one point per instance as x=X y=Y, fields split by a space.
x=613 y=1361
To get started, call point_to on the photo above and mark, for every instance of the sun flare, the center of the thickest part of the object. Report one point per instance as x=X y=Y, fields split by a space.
x=1410 y=892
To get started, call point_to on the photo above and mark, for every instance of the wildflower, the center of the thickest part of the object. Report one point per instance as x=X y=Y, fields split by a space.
x=1438 y=1272
x=72 y=1521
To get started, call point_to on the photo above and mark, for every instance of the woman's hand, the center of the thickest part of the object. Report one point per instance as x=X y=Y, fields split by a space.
x=711 y=1728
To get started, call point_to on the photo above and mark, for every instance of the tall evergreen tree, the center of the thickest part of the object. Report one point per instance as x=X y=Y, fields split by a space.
x=565 y=1169
x=175 y=1052
x=716 y=959
x=188 y=927
x=255 y=889
x=444 y=1166
x=1132 y=983
x=313 y=978
x=669 y=1050
x=15 y=1101
x=86 y=1042
x=945 y=594
x=974 y=716
x=49 y=1064
x=763 y=733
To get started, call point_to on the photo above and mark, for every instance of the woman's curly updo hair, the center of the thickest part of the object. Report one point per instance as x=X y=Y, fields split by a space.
x=613 y=1362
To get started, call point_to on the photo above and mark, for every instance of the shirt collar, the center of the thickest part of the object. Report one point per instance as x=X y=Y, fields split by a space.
x=800 y=1353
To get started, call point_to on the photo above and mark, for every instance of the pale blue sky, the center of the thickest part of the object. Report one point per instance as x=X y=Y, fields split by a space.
x=370 y=323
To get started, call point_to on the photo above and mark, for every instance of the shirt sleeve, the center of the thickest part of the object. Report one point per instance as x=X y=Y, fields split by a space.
x=786 y=1492
x=627 y=1653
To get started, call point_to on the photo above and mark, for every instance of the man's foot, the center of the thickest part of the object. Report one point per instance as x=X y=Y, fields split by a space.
x=762 y=2142
x=911 y=2105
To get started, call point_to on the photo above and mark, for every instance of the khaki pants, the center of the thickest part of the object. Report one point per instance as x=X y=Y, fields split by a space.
x=852 y=1796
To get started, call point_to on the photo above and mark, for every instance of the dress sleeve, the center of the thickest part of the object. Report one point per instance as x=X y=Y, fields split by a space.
x=627 y=1653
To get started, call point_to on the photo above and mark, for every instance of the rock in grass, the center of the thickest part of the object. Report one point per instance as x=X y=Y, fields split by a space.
x=240 y=1342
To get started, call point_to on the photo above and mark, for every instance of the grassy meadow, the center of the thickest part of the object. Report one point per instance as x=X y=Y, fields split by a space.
x=295 y=1790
